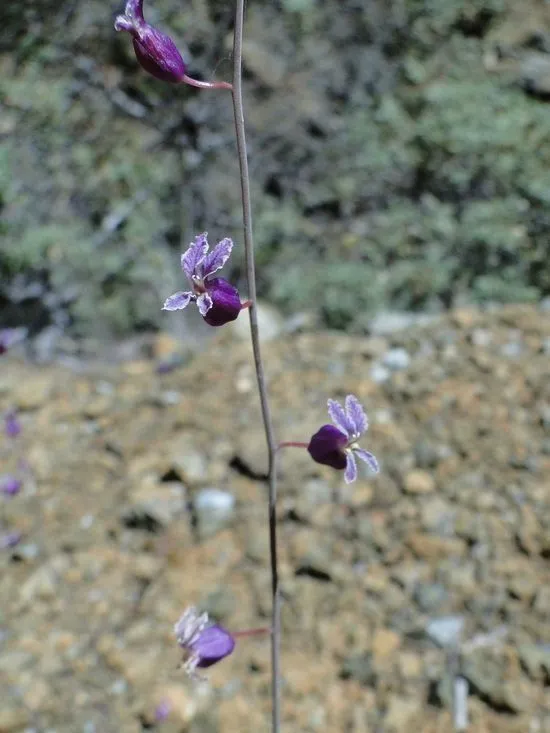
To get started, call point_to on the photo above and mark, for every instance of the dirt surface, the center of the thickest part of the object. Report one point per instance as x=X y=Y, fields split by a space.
x=115 y=542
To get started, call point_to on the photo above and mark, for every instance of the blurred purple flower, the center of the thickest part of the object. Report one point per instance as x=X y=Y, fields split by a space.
x=10 y=485
x=12 y=426
x=155 y=51
x=203 y=643
x=336 y=445
x=217 y=300
x=10 y=539
x=9 y=337
x=162 y=711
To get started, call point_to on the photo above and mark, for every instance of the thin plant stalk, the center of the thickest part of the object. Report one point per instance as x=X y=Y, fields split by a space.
x=240 y=133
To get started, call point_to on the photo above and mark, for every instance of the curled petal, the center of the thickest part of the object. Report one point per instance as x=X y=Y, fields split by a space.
x=350 y=473
x=356 y=415
x=339 y=418
x=327 y=447
x=216 y=259
x=177 y=301
x=192 y=258
x=226 y=302
x=204 y=303
x=189 y=626
x=122 y=23
x=368 y=458
x=134 y=10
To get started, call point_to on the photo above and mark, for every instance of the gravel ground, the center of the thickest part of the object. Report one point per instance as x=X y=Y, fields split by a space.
x=392 y=586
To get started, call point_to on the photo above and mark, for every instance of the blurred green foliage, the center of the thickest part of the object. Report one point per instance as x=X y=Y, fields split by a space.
x=390 y=168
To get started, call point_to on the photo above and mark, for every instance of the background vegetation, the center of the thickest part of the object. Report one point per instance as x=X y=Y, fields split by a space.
x=400 y=157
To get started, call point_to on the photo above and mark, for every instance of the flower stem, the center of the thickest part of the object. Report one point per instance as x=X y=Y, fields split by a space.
x=205 y=84
x=240 y=133
x=292 y=444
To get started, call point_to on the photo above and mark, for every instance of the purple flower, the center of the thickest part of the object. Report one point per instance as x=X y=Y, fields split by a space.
x=12 y=426
x=162 y=710
x=217 y=300
x=10 y=485
x=10 y=539
x=337 y=446
x=203 y=643
x=155 y=51
x=9 y=337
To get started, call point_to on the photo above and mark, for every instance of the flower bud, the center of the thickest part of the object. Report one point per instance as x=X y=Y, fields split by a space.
x=155 y=51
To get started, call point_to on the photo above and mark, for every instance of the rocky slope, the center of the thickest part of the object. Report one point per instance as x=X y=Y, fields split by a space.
x=119 y=533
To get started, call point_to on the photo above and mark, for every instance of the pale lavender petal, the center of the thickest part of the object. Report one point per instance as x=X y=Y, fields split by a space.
x=369 y=459
x=350 y=474
x=192 y=258
x=356 y=415
x=204 y=303
x=339 y=418
x=177 y=302
x=216 y=259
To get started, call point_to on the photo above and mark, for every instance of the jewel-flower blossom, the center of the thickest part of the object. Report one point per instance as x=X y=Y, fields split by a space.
x=12 y=426
x=203 y=642
x=155 y=51
x=336 y=445
x=9 y=337
x=10 y=485
x=217 y=300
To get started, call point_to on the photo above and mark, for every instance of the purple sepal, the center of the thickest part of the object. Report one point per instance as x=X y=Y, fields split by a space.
x=226 y=302
x=214 y=644
x=10 y=485
x=327 y=447
x=155 y=51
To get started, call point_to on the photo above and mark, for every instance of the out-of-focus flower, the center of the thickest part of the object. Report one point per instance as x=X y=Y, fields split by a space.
x=162 y=711
x=203 y=642
x=336 y=445
x=9 y=337
x=12 y=426
x=217 y=300
x=10 y=485
x=9 y=539
x=155 y=51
